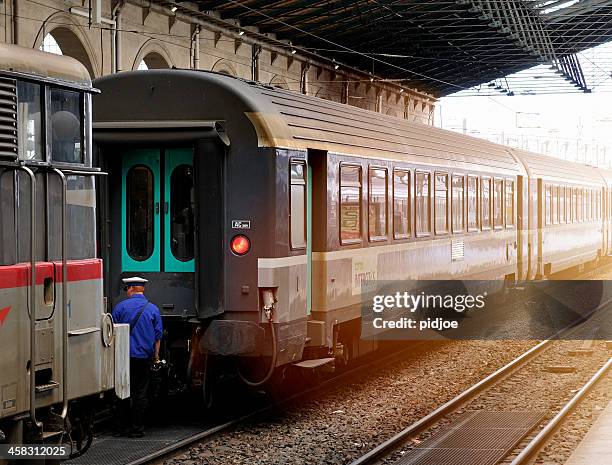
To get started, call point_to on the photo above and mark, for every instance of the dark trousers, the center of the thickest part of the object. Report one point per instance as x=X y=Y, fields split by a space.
x=132 y=411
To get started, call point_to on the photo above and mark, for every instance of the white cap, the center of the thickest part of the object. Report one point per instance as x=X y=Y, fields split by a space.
x=134 y=281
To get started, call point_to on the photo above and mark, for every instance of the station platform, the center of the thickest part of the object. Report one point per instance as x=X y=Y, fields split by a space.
x=596 y=446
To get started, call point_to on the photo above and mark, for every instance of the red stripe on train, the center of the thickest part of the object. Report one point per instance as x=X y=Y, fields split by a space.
x=78 y=270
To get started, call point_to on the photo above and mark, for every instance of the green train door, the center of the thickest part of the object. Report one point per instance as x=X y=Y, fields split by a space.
x=157 y=226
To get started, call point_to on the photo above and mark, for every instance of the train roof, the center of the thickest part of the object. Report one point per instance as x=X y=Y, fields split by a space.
x=23 y=60
x=559 y=170
x=287 y=119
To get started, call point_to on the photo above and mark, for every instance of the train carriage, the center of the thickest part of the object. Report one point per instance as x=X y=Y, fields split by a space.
x=59 y=347
x=259 y=213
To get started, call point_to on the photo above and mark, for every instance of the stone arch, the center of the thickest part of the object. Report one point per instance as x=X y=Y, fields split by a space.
x=71 y=39
x=328 y=94
x=391 y=112
x=280 y=82
x=225 y=67
x=154 y=55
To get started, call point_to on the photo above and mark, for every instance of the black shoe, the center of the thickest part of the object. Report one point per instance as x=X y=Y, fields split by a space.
x=137 y=434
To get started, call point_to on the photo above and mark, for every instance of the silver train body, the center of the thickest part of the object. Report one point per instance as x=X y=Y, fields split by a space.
x=59 y=350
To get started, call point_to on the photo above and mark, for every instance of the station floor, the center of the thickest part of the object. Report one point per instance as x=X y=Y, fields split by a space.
x=596 y=446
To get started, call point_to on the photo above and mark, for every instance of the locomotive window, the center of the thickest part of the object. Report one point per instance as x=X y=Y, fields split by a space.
x=561 y=204
x=29 y=116
x=350 y=204
x=486 y=203
x=498 y=203
x=66 y=126
x=472 y=203
x=509 y=203
x=548 y=203
x=555 y=205
x=401 y=204
x=422 y=200
x=377 y=204
x=140 y=214
x=298 y=205
x=441 y=203
x=457 y=209
x=182 y=239
x=8 y=255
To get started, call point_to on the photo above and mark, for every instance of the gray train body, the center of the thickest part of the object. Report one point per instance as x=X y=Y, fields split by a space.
x=60 y=351
x=266 y=164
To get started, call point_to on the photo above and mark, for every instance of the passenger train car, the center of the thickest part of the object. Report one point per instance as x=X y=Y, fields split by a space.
x=258 y=213
x=57 y=343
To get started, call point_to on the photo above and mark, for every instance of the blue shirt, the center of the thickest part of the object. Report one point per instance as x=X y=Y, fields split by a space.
x=148 y=329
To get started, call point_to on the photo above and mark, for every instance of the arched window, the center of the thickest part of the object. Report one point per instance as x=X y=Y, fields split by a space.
x=50 y=45
x=63 y=41
x=153 y=60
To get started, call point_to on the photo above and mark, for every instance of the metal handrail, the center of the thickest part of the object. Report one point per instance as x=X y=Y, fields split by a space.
x=32 y=299
x=64 y=413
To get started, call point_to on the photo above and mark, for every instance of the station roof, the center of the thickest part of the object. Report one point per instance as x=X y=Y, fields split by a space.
x=437 y=46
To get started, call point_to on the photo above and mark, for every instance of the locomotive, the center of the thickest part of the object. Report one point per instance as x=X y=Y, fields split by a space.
x=60 y=350
x=257 y=214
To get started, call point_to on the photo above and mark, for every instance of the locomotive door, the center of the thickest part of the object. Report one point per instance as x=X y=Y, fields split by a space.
x=157 y=199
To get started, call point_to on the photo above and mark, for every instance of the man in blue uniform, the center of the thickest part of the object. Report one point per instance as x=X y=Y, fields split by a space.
x=145 y=336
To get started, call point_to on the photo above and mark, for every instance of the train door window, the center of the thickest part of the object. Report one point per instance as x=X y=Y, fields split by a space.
x=568 y=204
x=575 y=215
x=498 y=203
x=182 y=240
x=485 y=203
x=422 y=199
x=580 y=204
x=591 y=206
x=8 y=244
x=457 y=209
x=66 y=132
x=472 y=203
x=298 y=205
x=561 y=204
x=509 y=203
x=377 y=204
x=548 y=203
x=30 y=140
x=350 y=204
x=401 y=204
x=555 y=205
x=598 y=204
x=441 y=203
x=139 y=212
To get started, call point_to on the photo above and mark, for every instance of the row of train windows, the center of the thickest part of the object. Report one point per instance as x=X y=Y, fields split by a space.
x=50 y=117
x=571 y=204
x=475 y=203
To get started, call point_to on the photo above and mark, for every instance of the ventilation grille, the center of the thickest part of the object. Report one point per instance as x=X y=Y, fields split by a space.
x=8 y=118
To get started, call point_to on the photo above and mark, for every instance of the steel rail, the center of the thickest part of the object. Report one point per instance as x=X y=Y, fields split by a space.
x=536 y=444
x=392 y=443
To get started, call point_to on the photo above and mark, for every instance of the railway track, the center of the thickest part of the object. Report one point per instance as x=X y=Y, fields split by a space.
x=400 y=449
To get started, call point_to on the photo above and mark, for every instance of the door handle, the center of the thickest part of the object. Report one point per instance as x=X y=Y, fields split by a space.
x=157 y=208
x=166 y=208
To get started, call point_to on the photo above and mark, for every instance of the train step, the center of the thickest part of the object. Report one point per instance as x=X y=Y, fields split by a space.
x=51 y=434
x=315 y=363
x=47 y=386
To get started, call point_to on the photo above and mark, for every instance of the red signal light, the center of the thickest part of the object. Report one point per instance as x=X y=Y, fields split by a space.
x=240 y=244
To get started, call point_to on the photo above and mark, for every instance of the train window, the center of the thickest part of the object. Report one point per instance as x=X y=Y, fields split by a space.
x=401 y=204
x=8 y=251
x=580 y=205
x=548 y=203
x=458 y=195
x=472 y=204
x=140 y=212
x=182 y=238
x=441 y=203
x=377 y=204
x=350 y=204
x=422 y=184
x=298 y=205
x=555 y=205
x=498 y=203
x=568 y=204
x=485 y=203
x=509 y=203
x=66 y=126
x=561 y=204
x=30 y=138
x=575 y=204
